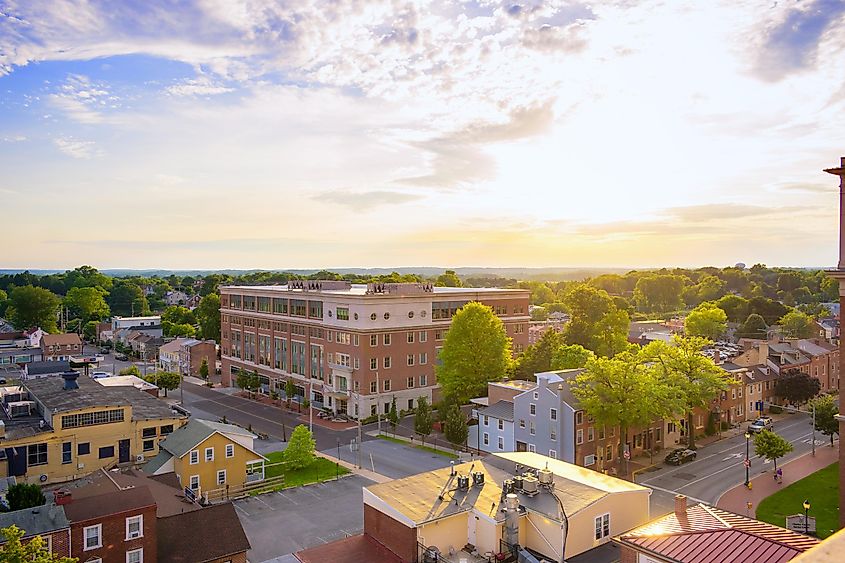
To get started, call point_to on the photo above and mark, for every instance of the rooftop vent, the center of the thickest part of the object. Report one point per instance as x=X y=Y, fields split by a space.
x=463 y=481
x=478 y=478
x=70 y=378
x=529 y=485
x=546 y=477
x=399 y=288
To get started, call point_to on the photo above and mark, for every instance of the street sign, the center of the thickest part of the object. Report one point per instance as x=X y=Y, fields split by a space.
x=627 y=454
x=747 y=463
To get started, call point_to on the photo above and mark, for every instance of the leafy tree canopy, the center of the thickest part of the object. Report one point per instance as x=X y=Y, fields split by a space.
x=707 y=320
x=300 y=450
x=31 y=307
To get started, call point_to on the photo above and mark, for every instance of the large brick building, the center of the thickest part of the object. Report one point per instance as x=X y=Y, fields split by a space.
x=351 y=348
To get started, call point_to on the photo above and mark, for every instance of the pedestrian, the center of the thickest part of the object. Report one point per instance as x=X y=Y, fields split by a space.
x=779 y=475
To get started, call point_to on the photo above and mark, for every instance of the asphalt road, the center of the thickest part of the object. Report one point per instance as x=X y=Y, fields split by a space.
x=720 y=466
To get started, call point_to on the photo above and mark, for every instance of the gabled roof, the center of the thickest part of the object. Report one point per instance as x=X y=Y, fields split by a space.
x=502 y=410
x=60 y=339
x=34 y=521
x=222 y=535
x=189 y=436
x=112 y=502
x=715 y=545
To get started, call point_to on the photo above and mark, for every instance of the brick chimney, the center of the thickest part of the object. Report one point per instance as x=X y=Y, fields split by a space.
x=680 y=505
x=62 y=497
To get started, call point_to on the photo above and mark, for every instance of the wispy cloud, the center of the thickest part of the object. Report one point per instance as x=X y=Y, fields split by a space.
x=77 y=148
x=366 y=200
x=202 y=86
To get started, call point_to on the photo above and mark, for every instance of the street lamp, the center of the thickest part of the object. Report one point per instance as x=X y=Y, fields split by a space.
x=747 y=457
x=806 y=521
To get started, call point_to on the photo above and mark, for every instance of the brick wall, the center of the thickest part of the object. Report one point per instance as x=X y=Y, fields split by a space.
x=114 y=542
x=236 y=558
x=627 y=555
x=392 y=534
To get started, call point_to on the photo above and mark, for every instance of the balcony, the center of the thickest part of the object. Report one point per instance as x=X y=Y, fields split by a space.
x=340 y=367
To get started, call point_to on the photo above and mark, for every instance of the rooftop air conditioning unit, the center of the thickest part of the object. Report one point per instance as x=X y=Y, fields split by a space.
x=529 y=485
x=545 y=477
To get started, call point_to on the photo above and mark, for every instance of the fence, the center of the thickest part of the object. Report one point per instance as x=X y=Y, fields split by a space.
x=430 y=554
x=230 y=492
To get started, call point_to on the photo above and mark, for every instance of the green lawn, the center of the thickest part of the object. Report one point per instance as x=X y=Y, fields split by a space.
x=321 y=469
x=821 y=489
x=428 y=449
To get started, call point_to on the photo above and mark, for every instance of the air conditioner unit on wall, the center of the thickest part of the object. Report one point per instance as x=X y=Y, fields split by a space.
x=139 y=458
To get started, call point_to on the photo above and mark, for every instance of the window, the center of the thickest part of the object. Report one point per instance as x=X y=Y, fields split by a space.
x=343 y=313
x=67 y=449
x=135 y=556
x=93 y=536
x=601 y=432
x=374 y=363
x=522 y=423
x=536 y=395
x=410 y=338
x=423 y=358
x=486 y=420
x=167 y=429
x=106 y=452
x=532 y=448
x=373 y=387
x=410 y=404
x=602 y=526
x=374 y=340
x=209 y=454
x=263 y=304
x=194 y=482
x=230 y=450
x=280 y=306
x=552 y=454
x=411 y=382
x=532 y=409
x=134 y=527
x=579 y=417
x=608 y=454
x=531 y=428
x=221 y=477
x=553 y=414
x=83 y=448
x=589 y=460
x=387 y=362
x=149 y=432
x=553 y=435
x=423 y=336
x=92 y=418
x=590 y=434
x=194 y=457
x=385 y=385
x=149 y=445
x=579 y=436
x=423 y=380
x=410 y=359
x=297 y=308
x=386 y=316
x=486 y=439
x=372 y=316
x=501 y=424
x=386 y=339
x=501 y=443
x=355 y=341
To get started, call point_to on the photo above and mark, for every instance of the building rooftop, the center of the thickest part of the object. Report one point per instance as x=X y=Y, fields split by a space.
x=51 y=393
x=222 y=535
x=186 y=438
x=518 y=384
x=706 y=546
x=112 y=501
x=502 y=410
x=126 y=381
x=60 y=339
x=366 y=290
x=42 y=368
x=37 y=520
x=353 y=549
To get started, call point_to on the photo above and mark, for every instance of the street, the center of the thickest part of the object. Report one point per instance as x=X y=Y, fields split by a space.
x=720 y=466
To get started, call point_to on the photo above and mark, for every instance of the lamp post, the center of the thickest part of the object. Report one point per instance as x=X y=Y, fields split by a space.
x=747 y=458
x=337 y=463
x=806 y=520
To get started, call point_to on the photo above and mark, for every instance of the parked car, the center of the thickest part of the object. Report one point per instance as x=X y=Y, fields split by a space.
x=104 y=350
x=679 y=456
x=100 y=374
x=762 y=423
x=121 y=357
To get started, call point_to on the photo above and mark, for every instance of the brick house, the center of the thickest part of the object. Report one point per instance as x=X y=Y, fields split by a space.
x=223 y=539
x=60 y=346
x=185 y=356
x=48 y=521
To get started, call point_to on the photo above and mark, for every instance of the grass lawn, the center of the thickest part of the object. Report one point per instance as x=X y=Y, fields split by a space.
x=321 y=469
x=428 y=449
x=821 y=489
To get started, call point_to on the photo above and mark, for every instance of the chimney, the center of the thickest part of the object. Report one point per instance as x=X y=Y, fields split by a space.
x=62 y=497
x=70 y=378
x=680 y=505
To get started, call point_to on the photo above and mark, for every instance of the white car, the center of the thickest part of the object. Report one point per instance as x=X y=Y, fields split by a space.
x=100 y=374
x=762 y=423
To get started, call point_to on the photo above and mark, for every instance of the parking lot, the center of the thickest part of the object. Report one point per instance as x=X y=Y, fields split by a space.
x=288 y=521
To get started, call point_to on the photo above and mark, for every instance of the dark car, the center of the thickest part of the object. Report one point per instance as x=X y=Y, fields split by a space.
x=679 y=456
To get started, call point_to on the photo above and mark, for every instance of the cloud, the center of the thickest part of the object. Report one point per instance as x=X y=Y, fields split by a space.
x=77 y=148
x=792 y=44
x=82 y=100
x=202 y=86
x=366 y=200
x=14 y=139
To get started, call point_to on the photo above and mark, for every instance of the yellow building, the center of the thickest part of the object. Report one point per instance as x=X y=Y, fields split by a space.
x=523 y=499
x=57 y=429
x=208 y=455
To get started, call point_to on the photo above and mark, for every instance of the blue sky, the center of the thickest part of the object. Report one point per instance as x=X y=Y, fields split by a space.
x=259 y=133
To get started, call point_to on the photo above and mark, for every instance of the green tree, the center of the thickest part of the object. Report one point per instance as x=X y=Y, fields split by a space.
x=24 y=495
x=300 y=450
x=596 y=323
x=659 y=293
x=34 y=550
x=455 y=426
x=707 y=320
x=290 y=390
x=735 y=307
x=796 y=387
x=538 y=356
x=393 y=415
x=4 y=302
x=33 y=307
x=448 y=279
x=178 y=315
x=86 y=276
x=771 y=446
x=87 y=303
x=611 y=334
x=769 y=309
x=796 y=324
x=89 y=331
x=826 y=411
x=753 y=327
x=177 y=330
x=127 y=299
x=208 y=316
x=204 y=368
x=130 y=370
x=166 y=380
x=694 y=376
x=571 y=357
x=476 y=350
x=423 y=419
x=247 y=381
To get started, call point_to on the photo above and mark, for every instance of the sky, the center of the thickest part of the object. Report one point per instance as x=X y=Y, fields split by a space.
x=367 y=133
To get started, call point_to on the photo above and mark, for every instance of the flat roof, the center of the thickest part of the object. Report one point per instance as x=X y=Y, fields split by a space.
x=361 y=289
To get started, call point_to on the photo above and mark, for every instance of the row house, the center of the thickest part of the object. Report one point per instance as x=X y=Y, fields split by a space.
x=351 y=348
x=48 y=521
x=186 y=355
x=814 y=357
x=60 y=346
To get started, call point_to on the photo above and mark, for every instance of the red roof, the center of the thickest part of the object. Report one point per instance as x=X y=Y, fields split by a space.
x=715 y=546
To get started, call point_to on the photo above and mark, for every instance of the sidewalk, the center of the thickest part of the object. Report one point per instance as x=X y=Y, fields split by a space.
x=366 y=473
x=764 y=485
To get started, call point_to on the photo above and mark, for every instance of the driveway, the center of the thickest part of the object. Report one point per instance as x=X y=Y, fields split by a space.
x=294 y=519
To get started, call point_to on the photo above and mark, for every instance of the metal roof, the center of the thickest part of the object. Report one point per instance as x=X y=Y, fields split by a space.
x=715 y=545
x=501 y=410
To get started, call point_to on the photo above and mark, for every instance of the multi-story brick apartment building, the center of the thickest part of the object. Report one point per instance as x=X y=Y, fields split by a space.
x=351 y=348
x=815 y=357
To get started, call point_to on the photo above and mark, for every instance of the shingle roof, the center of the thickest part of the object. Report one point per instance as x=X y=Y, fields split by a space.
x=60 y=339
x=188 y=436
x=222 y=535
x=111 y=502
x=38 y=520
x=501 y=410
x=715 y=545
x=157 y=462
x=41 y=368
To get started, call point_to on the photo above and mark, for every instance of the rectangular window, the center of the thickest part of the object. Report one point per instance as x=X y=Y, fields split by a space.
x=135 y=556
x=486 y=420
x=93 y=536
x=135 y=527
x=579 y=436
x=280 y=354
x=531 y=428
x=522 y=423
x=385 y=385
x=386 y=339
x=532 y=448
x=423 y=358
x=553 y=435
x=501 y=443
x=589 y=460
x=374 y=340
x=501 y=424
x=67 y=449
x=373 y=387
x=590 y=434
x=209 y=454
x=411 y=382
x=552 y=454
x=149 y=445
x=373 y=364
x=148 y=432
x=83 y=448
x=410 y=338
x=166 y=429
x=221 y=477
x=410 y=404
x=355 y=340
x=387 y=362
x=410 y=359
x=194 y=457
x=230 y=450
x=608 y=453
x=601 y=432
x=263 y=304
x=92 y=418
x=298 y=358
x=423 y=380
x=553 y=414
x=342 y=313
x=486 y=439
x=194 y=482
x=579 y=417
x=315 y=309
x=532 y=409
x=317 y=371
x=280 y=306
x=423 y=336
x=106 y=452
x=602 y=526
x=298 y=308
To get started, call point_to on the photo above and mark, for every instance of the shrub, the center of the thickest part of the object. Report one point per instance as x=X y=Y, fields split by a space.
x=774 y=409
